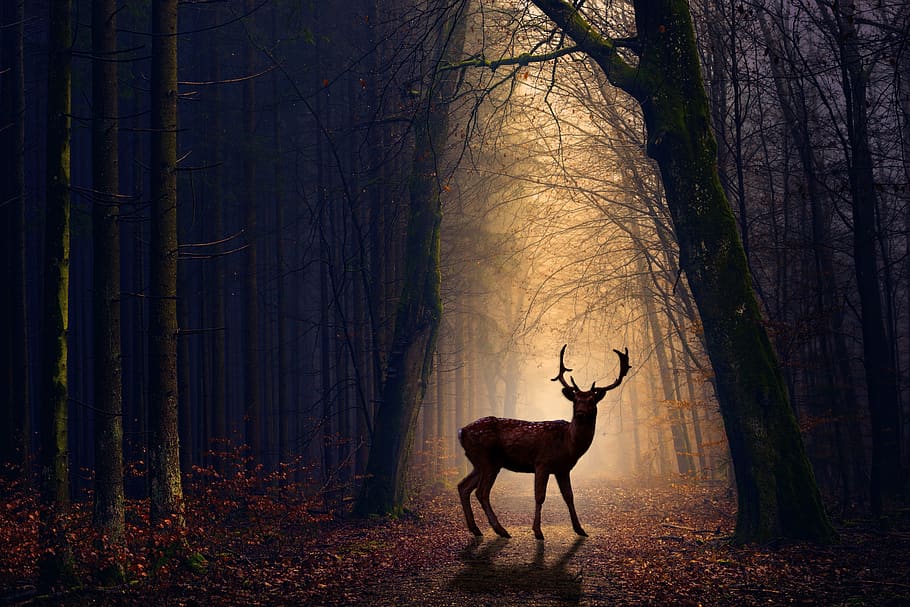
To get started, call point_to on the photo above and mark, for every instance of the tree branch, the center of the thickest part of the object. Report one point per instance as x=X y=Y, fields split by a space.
x=601 y=48
x=523 y=59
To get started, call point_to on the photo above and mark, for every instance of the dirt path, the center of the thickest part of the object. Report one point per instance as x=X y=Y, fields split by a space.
x=520 y=570
x=654 y=546
x=662 y=546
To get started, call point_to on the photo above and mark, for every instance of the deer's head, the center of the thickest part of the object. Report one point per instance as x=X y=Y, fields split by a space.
x=584 y=402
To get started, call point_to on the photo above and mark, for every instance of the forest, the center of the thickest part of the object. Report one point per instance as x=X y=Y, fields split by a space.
x=263 y=260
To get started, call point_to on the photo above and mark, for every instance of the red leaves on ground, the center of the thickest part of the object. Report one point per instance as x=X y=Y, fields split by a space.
x=271 y=542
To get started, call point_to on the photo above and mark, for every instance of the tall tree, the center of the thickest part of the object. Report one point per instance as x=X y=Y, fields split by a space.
x=252 y=415
x=835 y=387
x=777 y=493
x=410 y=358
x=14 y=399
x=878 y=355
x=165 y=490
x=56 y=563
x=217 y=412
x=108 y=511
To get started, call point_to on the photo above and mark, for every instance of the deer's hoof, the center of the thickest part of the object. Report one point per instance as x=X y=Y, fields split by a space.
x=538 y=534
x=477 y=532
x=502 y=532
x=581 y=532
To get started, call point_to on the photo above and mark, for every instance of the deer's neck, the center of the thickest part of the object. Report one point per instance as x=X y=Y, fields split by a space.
x=581 y=433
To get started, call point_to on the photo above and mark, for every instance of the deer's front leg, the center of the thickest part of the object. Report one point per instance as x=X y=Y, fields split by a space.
x=565 y=487
x=540 y=494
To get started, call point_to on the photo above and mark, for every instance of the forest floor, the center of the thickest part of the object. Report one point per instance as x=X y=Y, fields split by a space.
x=663 y=545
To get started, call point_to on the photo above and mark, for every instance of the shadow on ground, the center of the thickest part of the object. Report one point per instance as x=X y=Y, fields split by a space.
x=515 y=569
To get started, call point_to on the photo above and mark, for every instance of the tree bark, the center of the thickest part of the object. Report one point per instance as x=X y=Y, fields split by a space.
x=837 y=388
x=881 y=373
x=252 y=399
x=217 y=412
x=108 y=512
x=419 y=311
x=777 y=493
x=14 y=399
x=165 y=489
x=56 y=564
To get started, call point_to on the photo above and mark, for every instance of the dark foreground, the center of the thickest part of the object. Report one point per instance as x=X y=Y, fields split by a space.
x=657 y=546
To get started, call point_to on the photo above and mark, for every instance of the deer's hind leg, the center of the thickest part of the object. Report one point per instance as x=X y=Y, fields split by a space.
x=465 y=487
x=487 y=478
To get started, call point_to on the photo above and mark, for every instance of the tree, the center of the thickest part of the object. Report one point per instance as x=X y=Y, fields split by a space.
x=251 y=395
x=165 y=490
x=14 y=400
x=108 y=512
x=878 y=355
x=56 y=563
x=833 y=384
x=410 y=358
x=777 y=493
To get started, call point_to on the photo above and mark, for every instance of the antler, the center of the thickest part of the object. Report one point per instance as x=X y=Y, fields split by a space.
x=624 y=367
x=563 y=369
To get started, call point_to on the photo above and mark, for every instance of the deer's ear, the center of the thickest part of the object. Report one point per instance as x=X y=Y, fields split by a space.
x=569 y=393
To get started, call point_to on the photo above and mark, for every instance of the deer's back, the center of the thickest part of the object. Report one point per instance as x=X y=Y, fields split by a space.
x=515 y=444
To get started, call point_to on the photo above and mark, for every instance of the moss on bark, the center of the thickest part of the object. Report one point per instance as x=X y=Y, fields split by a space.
x=56 y=565
x=778 y=496
x=419 y=310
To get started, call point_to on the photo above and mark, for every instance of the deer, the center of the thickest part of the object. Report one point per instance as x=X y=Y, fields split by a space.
x=542 y=448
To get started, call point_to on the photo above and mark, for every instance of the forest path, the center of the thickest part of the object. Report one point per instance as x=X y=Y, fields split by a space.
x=517 y=571
x=659 y=546
x=663 y=545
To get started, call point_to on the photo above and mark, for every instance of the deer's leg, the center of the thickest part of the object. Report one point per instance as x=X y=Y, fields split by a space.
x=483 y=496
x=565 y=487
x=540 y=494
x=465 y=487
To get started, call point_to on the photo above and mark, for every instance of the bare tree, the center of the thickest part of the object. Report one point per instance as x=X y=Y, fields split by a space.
x=108 y=511
x=659 y=67
x=56 y=563
x=165 y=489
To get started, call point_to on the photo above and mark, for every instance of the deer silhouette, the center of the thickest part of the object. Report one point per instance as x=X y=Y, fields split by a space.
x=542 y=448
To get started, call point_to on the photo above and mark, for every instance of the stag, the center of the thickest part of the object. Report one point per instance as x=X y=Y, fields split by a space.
x=544 y=448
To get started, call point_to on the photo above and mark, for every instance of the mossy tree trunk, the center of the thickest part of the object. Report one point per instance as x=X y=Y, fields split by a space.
x=778 y=496
x=14 y=399
x=56 y=563
x=108 y=510
x=417 y=318
x=165 y=490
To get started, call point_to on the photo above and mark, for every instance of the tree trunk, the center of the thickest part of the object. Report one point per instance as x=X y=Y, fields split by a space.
x=837 y=391
x=414 y=341
x=285 y=338
x=410 y=359
x=456 y=322
x=14 y=400
x=108 y=513
x=165 y=490
x=442 y=449
x=775 y=485
x=218 y=410
x=252 y=398
x=56 y=564
x=881 y=373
